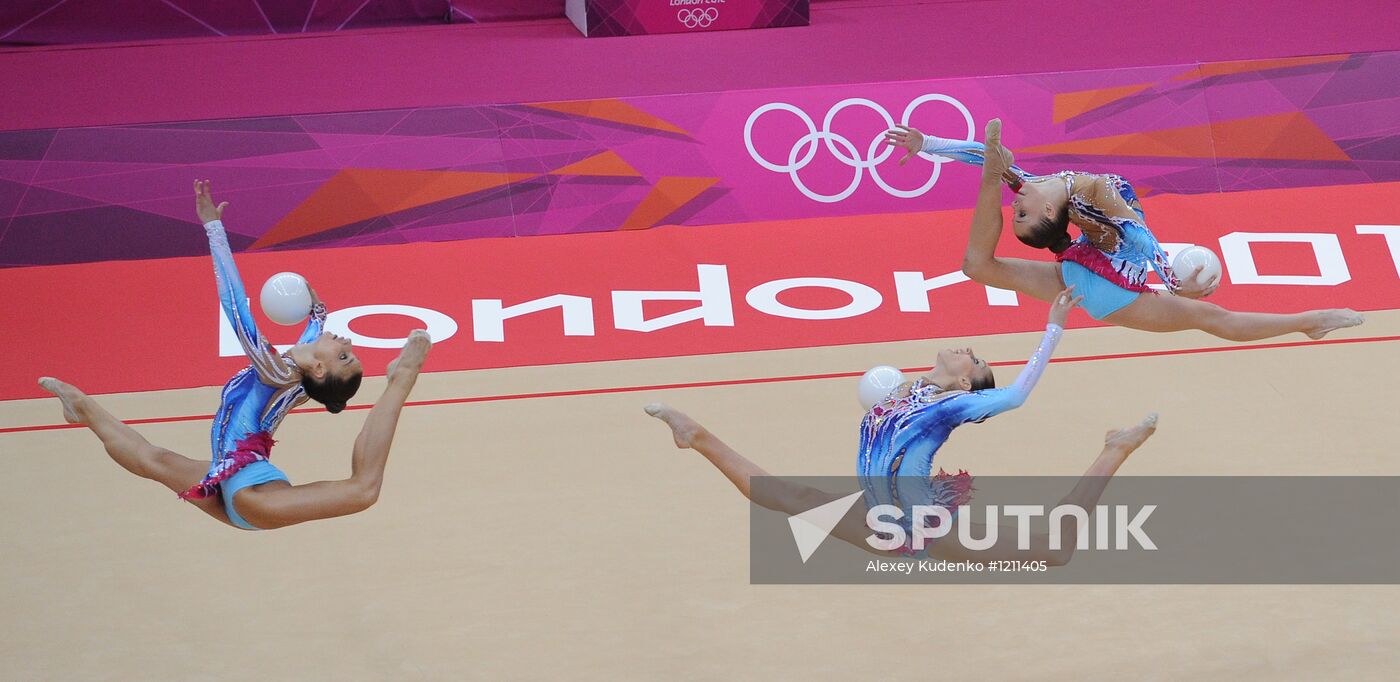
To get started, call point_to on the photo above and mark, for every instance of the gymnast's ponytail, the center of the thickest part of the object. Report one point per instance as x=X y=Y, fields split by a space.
x=332 y=391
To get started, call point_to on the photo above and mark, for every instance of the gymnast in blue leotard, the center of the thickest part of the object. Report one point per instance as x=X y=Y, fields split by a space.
x=1108 y=263
x=239 y=485
x=254 y=402
x=899 y=438
x=1114 y=242
x=900 y=435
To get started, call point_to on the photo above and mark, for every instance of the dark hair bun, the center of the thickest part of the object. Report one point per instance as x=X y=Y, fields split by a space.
x=333 y=392
x=1062 y=242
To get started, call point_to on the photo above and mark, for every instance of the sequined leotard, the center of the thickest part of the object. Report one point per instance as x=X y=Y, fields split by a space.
x=1112 y=243
x=255 y=401
x=900 y=435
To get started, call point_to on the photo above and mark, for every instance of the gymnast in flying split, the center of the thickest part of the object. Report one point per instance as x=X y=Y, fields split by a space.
x=1108 y=263
x=240 y=486
x=899 y=438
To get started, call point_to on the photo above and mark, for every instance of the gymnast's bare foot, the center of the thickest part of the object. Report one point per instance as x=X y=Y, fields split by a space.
x=66 y=394
x=683 y=428
x=1331 y=320
x=1129 y=439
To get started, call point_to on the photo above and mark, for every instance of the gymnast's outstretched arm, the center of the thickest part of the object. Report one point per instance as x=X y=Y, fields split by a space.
x=1002 y=399
x=979 y=405
x=269 y=365
x=970 y=152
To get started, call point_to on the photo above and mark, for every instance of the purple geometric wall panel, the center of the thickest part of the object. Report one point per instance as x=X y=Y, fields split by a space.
x=409 y=175
x=40 y=22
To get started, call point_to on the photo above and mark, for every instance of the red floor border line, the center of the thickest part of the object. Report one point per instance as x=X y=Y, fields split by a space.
x=741 y=382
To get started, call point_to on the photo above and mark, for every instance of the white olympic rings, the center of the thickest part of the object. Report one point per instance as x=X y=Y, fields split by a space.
x=697 y=18
x=836 y=143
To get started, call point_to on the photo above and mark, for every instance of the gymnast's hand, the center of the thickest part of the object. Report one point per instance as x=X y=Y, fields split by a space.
x=1192 y=288
x=1064 y=301
x=204 y=203
x=906 y=138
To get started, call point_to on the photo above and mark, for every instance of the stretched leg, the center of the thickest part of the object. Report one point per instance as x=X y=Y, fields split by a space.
x=1037 y=279
x=689 y=434
x=129 y=449
x=275 y=506
x=1117 y=446
x=1033 y=278
x=783 y=496
x=1173 y=313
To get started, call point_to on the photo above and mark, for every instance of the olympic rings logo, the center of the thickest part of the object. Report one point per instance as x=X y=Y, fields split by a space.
x=851 y=157
x=698 y=18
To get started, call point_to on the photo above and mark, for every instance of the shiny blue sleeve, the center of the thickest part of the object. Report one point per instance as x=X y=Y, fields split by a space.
x=315 y=325
x=966 y=151
x=232 y=296
x=270 y=366
x=980 y=405
x=917 y=458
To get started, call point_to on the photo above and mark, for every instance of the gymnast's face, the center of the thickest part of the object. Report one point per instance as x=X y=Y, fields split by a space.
x=1029 y=207
x=956 y=368
x=330 y=355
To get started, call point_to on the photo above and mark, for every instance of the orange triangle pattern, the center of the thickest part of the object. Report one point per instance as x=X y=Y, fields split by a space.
x=611 y=110
x=669 y=194
x=1289 y=135
x=1227 y=68
x=607 y=163
x=356 y=194
x=1070 y=104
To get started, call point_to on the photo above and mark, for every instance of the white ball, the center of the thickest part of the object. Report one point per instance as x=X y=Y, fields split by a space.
x=877 y=384
x=286 y=299
x=1192 y=257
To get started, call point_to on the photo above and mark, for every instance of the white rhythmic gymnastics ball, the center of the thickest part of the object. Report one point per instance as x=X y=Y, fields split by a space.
x=877 y=384
x=286 y=299
x=1193 y=257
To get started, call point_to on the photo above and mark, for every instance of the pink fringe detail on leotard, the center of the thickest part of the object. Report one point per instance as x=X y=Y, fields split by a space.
x=952 y=491
x=1098 y=262
x=956 y=488
x=255 y=448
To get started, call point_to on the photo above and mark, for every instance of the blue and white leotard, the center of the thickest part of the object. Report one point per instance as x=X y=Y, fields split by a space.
x=256 y=400
x=900 y=436
x=1119 y=249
